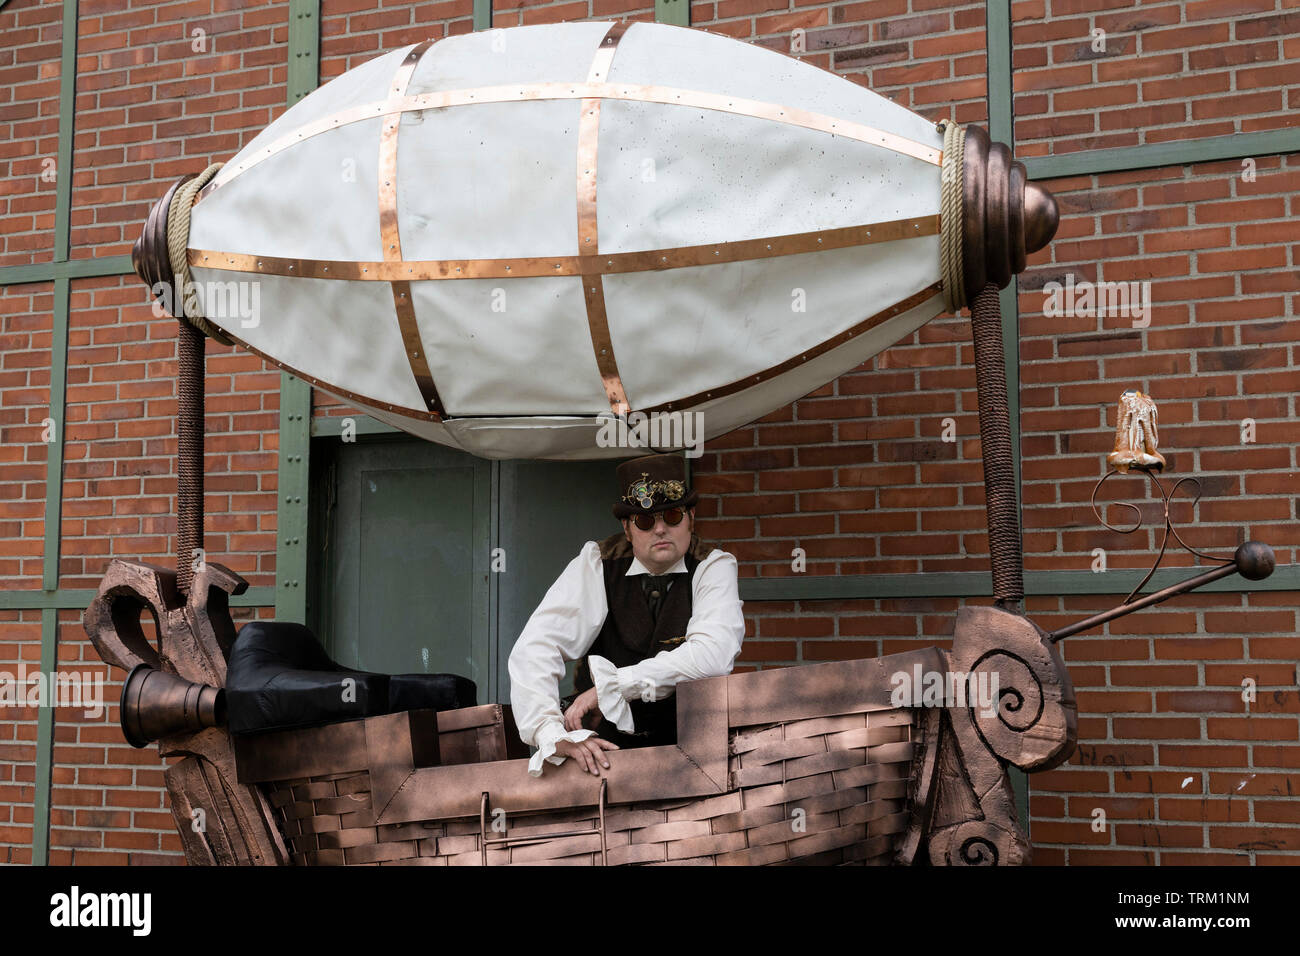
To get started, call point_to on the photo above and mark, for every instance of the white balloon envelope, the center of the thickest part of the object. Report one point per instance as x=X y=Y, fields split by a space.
x=500 y=240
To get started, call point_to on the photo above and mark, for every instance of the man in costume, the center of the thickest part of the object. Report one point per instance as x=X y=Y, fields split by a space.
x=645 y=608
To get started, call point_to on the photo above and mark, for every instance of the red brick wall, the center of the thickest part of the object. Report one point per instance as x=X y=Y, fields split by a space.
x=1185 y=770
x=1168 y=747
x=1220 y=254
x=29 y=93
x=29 y=114
x=1166 y=71
x=856 y=474
x=119 y=485
x=927 y=55
x=25 y=324
x=163 y=90
x=20 y=646
x=108 y=805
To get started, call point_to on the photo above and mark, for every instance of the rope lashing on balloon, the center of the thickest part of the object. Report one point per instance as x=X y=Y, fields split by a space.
x=951 y=215
x=178 y=240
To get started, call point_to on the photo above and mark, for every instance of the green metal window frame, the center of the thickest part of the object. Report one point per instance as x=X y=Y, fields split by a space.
x=297 y=428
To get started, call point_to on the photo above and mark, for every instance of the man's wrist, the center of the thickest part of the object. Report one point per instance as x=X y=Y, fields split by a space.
x=548 y=737
x=610 y=695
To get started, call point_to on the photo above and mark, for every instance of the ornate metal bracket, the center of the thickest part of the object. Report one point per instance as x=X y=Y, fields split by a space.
x=1032 y=726
x=173 y=695
x=1136 y=440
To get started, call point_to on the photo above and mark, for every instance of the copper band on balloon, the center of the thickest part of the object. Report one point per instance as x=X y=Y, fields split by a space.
x=390 y=234
x=593 y=284
x=649 y=260
x=667 y=95
x=866 y=325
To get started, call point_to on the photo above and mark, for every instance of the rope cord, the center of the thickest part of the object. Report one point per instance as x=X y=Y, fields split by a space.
x=178 y=239
x=951 y=215
x=1006 y=549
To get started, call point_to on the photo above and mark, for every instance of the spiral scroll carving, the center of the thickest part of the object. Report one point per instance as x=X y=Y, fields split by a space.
x=1019 y=705
x=978 y=843
x=979 y=851
x=1032 y=724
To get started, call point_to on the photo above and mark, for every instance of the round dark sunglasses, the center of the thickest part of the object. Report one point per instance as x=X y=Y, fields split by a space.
x=672 y=517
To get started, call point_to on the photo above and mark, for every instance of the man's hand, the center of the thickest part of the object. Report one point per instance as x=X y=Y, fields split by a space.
x=587 y=752
x=583 y=712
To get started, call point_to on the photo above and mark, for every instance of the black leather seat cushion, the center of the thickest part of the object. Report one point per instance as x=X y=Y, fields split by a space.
x=279 y=677
x=430 y=691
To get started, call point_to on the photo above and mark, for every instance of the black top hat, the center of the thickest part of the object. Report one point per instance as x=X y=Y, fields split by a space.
x=652 y=484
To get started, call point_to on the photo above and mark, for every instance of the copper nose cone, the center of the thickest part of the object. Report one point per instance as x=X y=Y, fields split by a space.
x=1006 y=217
x=1041 y=217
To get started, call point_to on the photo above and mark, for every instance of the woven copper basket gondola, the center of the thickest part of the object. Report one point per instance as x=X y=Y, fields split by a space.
x=820 y=763
x=824 y=790
x=813 y=764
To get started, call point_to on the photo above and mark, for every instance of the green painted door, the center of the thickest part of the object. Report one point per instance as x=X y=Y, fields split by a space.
x=547 y=510
x=428 y=560
x=403 y=587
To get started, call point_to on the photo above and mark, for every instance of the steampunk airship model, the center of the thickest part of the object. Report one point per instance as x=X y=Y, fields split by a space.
x=498 y=242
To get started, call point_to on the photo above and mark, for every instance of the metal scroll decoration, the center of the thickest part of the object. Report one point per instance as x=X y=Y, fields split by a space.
x=1166 y=498
x=174 y=694
x=1137 y=449
x=1029 y=724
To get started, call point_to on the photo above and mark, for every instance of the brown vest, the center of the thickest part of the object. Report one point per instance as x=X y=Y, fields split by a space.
x=629 y=636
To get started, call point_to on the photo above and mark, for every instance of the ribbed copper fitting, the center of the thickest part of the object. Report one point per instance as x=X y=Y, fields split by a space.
x=1006 y=216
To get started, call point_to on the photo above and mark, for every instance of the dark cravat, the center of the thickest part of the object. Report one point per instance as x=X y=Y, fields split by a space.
x=655 y=587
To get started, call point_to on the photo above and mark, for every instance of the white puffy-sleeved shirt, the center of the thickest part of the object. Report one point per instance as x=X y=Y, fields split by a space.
x=569 y=619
